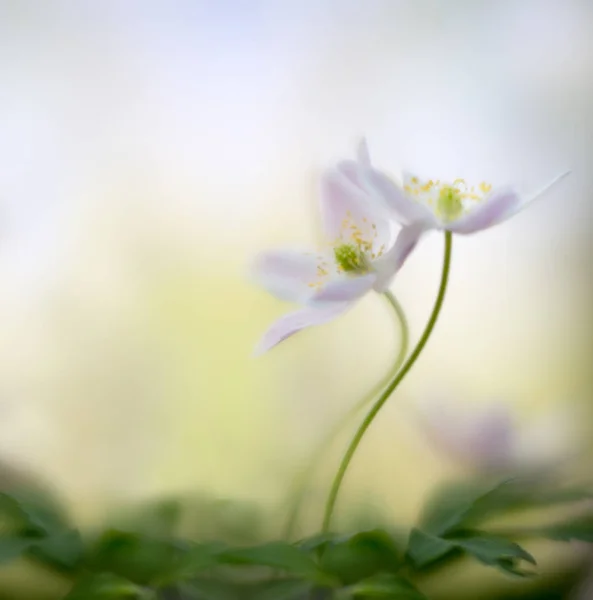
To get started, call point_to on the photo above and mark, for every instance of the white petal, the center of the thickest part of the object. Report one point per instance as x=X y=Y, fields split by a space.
x=286 y=273
x=405 y=209
x=491 y=436
x=354 y=172
x=481 y=436
x=391 y=262
x=527 y=200
x=344 y=289
x=339 y=198
x=496 y=207
x=363 y=154
x=342 y=199
x=290 y=324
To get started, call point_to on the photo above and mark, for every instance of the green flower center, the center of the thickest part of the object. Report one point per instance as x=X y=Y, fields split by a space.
x=449 y=203
x=350 y=258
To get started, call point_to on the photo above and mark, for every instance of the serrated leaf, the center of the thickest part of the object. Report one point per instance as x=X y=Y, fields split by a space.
x=278 y=555
x=11 y=548
x=461 y=506
x=425 y=548
x=385 y=586
x=448 y=508
x=106 y=586
x=495 y=551
x=579 y=528
x=520 y=494
x=359 y=556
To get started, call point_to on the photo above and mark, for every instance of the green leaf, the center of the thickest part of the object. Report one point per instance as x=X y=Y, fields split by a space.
x=521 y=494
x=360 y=556
x=460 y=506
x=140 y=559
x=206 y=590
x=36 y=513
x=64 y=550
x=579 y=528
x=425 y=548
x=11 y=548
x=385 y=586
x=449 y=507
x=292 y=589
x=316 y=541
x=105 y=586
x=495 y=551
x=194 y=560
x=278 y=555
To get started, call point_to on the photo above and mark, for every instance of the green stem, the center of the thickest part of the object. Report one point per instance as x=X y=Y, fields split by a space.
x=331 y=500
x=300 y=487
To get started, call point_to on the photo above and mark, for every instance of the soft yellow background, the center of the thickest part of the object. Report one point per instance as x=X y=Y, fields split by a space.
x=148 y=151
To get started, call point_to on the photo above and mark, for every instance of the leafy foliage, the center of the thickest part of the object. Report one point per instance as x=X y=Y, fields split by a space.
x=461 y=506
x=425 y=549
x=356 y=557
x=155 y=562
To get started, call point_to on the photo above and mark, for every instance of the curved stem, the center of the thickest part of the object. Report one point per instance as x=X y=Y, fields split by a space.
x=300 y=486
x=331 y=500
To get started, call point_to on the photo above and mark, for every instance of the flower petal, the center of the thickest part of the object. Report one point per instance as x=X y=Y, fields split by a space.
x=287 y=273
x=344 y=289
x=362 y=153
x=482 y=436
x=341 y=199
x=392 y=261
x=290 y=324
x=355 y=170
x=344 y=204
x=403 y=206
x=498 y=206
x=495 y=207
x=491 y=436
x=527 y=200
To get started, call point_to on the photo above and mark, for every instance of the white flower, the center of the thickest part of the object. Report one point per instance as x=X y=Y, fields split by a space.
x=424 y=204
x=362 y=255
x=487 y=438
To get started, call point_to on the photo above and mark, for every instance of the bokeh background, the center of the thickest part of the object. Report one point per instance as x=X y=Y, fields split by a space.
x=149 y=150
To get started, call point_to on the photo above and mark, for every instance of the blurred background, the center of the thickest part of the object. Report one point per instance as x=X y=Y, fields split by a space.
x=149 y=150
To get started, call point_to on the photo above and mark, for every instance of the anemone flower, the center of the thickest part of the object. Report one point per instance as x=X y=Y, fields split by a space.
x=362 y=254
x=423 y=204
x=487 y=438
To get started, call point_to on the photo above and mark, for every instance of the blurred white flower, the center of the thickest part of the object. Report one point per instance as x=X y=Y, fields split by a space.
x=424 y=204
x=362 y=256
x=487 y=438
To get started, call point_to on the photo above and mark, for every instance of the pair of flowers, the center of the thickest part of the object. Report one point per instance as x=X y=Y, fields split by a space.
x=361 y=209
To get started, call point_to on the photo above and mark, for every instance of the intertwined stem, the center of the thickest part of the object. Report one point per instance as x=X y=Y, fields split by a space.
x=333 y=494
x=300 y=485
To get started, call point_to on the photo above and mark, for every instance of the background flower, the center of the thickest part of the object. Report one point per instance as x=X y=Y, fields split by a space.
x=488 y=436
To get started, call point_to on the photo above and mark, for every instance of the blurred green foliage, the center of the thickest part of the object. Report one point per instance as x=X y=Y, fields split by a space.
x=211 y=550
